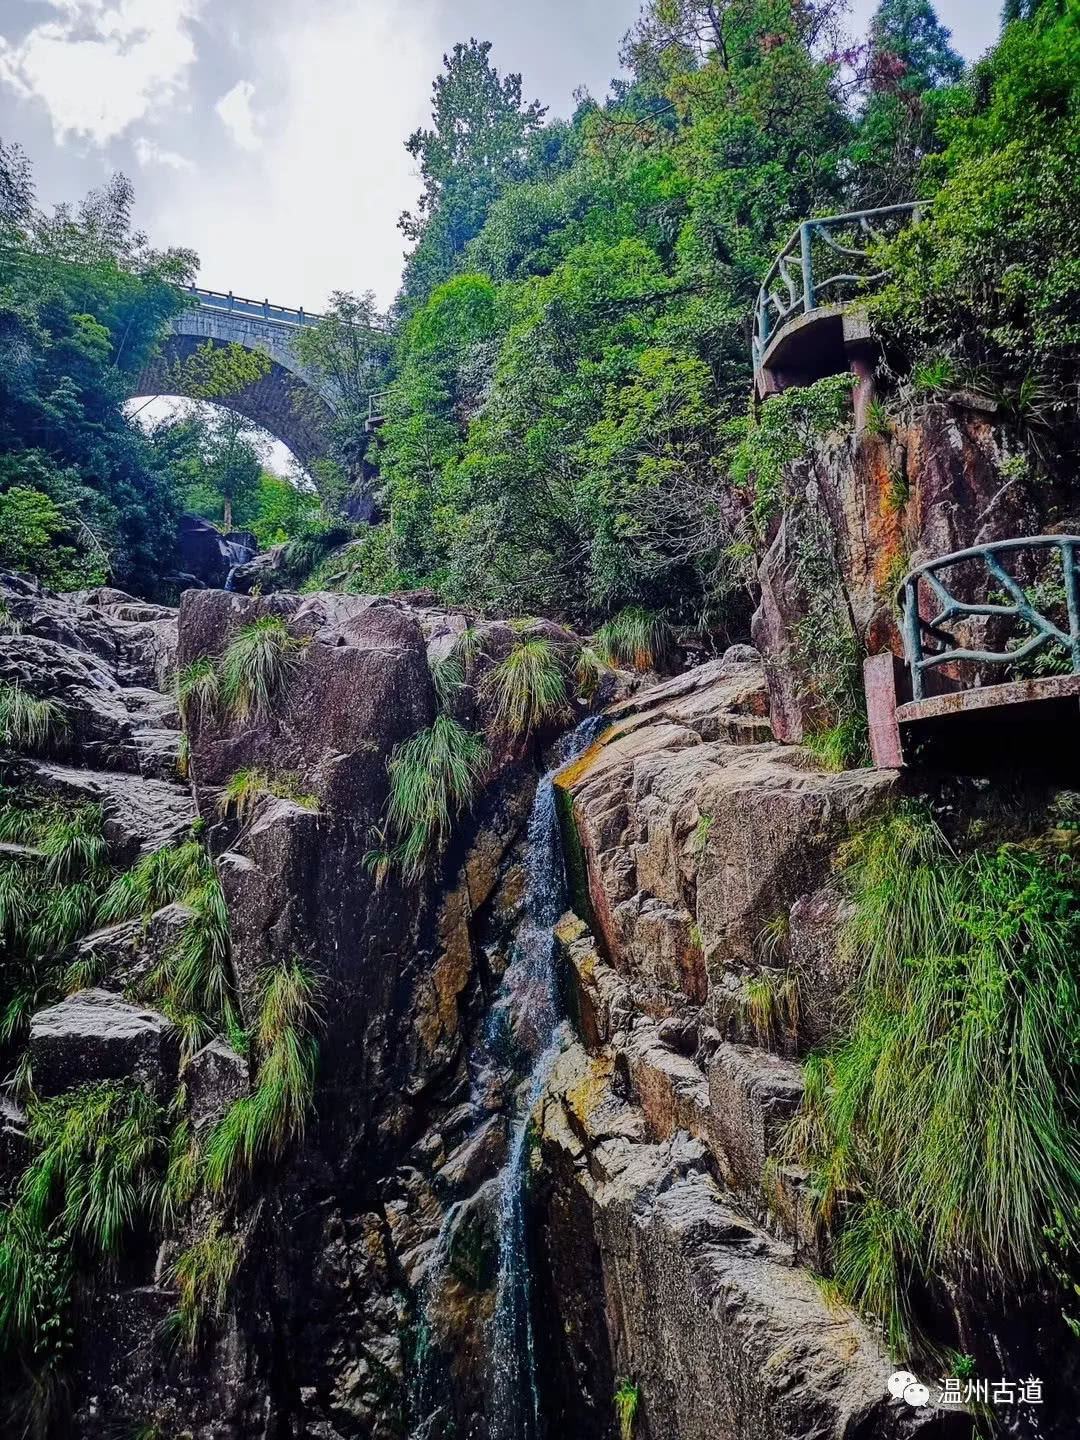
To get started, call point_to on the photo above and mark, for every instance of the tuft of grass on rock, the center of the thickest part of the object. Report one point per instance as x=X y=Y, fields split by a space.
x=198 y=689
x=638 y=638
x=433 y=776
x=528 y=686
x=29 y=725
x=258 y=661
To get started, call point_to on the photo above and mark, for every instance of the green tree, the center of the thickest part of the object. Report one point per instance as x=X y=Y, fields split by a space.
x=349 y=350
x=909 y=68
x=477 y=144
x=990 y=281
x=83 y=300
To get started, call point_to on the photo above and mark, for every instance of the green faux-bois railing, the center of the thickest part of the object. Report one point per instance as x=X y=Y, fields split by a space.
x=1044 y=630
x=791 y=288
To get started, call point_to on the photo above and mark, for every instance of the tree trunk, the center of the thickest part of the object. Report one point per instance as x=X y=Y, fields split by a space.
x=228 y=514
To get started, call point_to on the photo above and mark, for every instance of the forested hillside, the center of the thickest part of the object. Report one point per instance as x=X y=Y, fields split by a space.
x=568 y=419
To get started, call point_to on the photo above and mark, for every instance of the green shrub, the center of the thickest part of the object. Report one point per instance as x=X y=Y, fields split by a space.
x=638 y=638
x=257 y=662
x=946 y=1117
x=433 y=775
x=528 y=686
x=27 y=724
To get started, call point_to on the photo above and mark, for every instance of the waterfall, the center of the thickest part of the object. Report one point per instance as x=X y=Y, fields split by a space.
x=531 y=976
x=525 y=1018
x=237 y=554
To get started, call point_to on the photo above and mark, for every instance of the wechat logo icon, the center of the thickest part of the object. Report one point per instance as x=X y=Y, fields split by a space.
x=903 y=1384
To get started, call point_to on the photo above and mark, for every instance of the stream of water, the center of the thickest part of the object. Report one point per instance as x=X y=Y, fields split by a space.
x=526 y=1009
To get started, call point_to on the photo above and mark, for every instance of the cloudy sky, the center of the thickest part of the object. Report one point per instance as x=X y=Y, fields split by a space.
x=267 y=134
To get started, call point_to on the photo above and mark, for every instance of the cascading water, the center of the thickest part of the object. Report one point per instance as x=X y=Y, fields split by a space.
x=525 y=1018
x=532 y=975
x=237 y=554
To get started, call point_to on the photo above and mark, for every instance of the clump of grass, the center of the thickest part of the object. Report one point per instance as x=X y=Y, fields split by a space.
x=245 y=790
x=897 y=493
x=964 y=1025
x=844 y=746
x=528 y=686
x=639 y=638
x=261 y=1125
x=73 y=844
x=468 y=646
x=774 y=935
x=166 y=874
x=257 y=662
x=878 y=423
x=198 y=689
x=202 y=1275
x=448 y=677
x=627 y=1404
x=700 y=838
x=98 y=1163
x=433 y=775
x=590 y=671
x=30 y=725
x=769 y=1004
x=193 y=978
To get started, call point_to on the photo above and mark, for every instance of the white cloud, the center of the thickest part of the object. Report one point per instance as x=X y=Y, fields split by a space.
x=238 y=117
x=148 y=152
x=99 y=67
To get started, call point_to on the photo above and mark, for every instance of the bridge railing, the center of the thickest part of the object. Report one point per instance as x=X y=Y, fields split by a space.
x=792 y=287
x=1044 y=631
x=258 y=309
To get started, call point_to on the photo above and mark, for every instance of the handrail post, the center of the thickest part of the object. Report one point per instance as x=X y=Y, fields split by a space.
x=913 y=637
x=805 y=236
x=1072 y=601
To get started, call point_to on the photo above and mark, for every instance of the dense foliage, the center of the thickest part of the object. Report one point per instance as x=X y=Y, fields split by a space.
x=964 y=1022
x=567 y=425
x=83 y=300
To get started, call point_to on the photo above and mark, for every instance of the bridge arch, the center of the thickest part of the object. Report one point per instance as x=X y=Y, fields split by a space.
x=288 y=401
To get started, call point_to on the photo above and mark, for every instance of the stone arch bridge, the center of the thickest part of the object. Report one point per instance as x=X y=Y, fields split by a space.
x=289 y=402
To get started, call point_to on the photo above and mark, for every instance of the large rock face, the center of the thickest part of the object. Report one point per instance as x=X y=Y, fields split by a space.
x=700 y=858
x=640 y=1246
x=934 y=485
x=691 y=846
